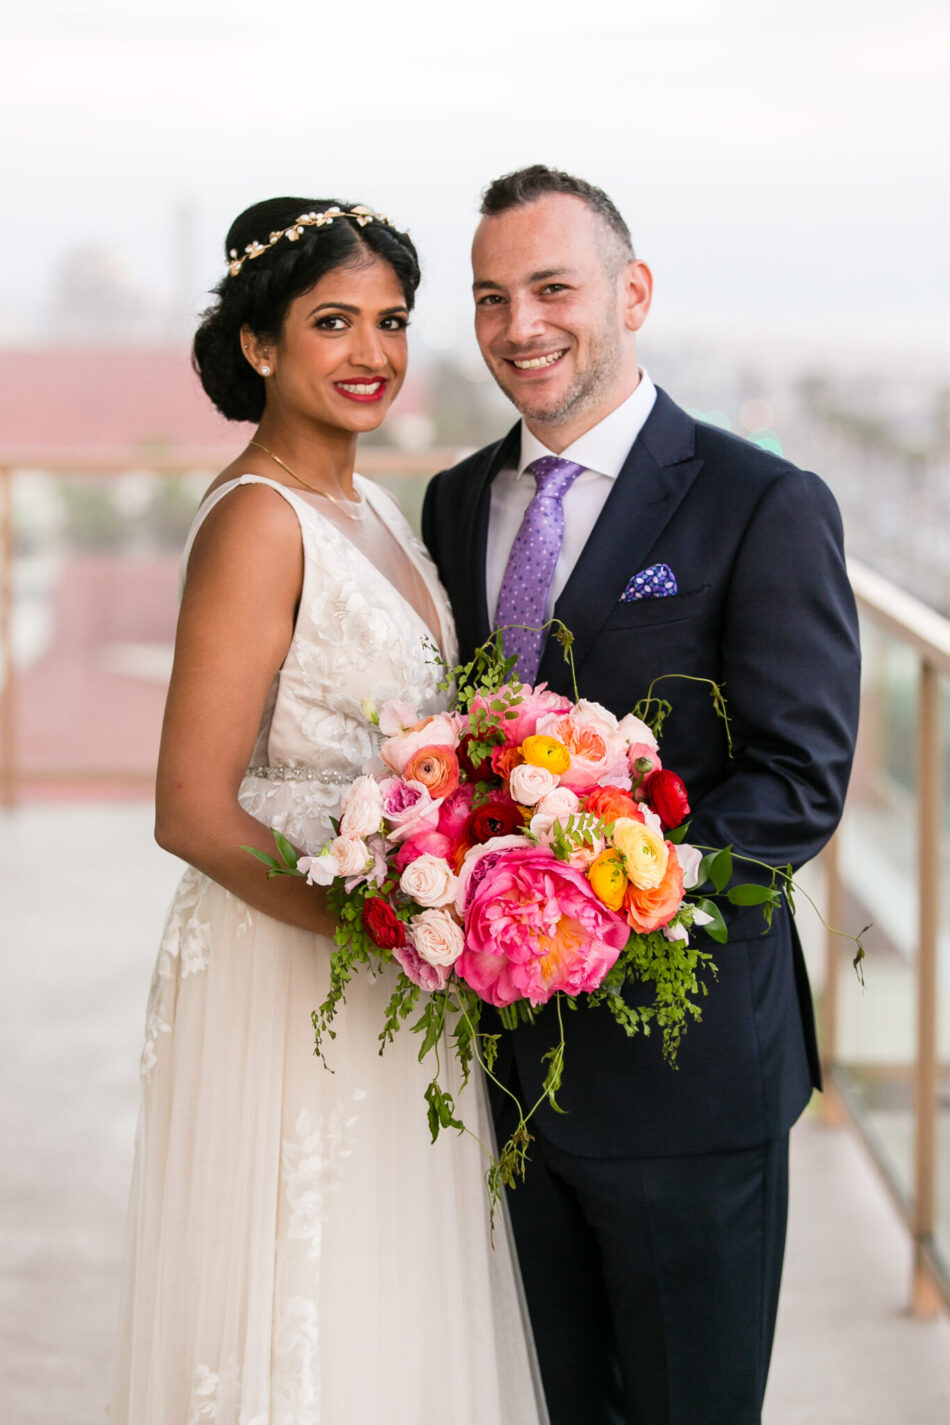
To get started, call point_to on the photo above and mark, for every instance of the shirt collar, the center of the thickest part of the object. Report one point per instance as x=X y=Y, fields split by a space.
x=604 y=447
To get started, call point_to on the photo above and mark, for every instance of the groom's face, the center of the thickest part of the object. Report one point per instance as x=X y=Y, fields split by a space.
x=550 y=313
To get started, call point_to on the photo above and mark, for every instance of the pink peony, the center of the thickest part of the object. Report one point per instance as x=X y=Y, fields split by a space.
x=408 y=808
x=455 y=811
x=534 y=926
x=535 y=703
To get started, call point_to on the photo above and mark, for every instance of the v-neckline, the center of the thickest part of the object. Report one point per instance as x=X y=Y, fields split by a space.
x=368 y=491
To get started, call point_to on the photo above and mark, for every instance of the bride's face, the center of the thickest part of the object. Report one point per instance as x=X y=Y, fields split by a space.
x=341 y=355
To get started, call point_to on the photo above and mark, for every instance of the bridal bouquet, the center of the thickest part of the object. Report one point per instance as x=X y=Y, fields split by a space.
x=518 y=849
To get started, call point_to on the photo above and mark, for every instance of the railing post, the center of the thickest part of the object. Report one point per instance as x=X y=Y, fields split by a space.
x=8 y=768
x=924 y=1297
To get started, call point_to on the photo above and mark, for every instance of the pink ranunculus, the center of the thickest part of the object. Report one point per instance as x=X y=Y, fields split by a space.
x=456 y=810
x=408 y=808
x=535 y=702
x=592 y=737
x=427 y=977
x=439 y=731
x=426 y=843
x=534 y=926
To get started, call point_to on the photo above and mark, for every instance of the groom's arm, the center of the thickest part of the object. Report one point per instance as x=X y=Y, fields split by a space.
x=790 y=667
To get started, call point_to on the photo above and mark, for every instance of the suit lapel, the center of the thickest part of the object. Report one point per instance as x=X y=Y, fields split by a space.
x=652 y=483
x=473 y=522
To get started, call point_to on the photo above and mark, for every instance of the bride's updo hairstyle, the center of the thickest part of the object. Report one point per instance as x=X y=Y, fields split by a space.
x=260 y=291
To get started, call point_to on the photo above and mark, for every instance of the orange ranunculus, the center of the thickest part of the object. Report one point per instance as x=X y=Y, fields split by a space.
x=651 y=909
x=548 y=752
x=504 y=760
x=610 y=802
x=607 y=878
x=437 y=768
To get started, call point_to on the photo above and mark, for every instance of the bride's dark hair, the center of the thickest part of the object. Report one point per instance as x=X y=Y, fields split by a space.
x=259 y=295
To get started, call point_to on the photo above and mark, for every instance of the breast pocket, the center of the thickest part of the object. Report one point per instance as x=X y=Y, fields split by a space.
x=656 y=613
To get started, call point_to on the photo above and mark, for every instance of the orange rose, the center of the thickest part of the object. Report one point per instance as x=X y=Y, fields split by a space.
x=651 y=909
x=607 y=878
x=437 y=768
x=610 y=802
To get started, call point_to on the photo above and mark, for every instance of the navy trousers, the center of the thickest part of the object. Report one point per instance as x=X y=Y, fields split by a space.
x=652 y=1283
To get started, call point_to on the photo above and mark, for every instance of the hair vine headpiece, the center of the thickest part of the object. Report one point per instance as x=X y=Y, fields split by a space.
x=362 y=215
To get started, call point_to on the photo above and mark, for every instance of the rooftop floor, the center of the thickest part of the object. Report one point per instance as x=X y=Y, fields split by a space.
x=83 y=890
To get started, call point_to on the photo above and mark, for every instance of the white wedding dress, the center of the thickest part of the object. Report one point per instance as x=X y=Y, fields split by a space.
x=298 y=1251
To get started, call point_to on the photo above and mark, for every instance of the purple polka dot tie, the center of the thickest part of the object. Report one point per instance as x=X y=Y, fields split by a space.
x=531 y=563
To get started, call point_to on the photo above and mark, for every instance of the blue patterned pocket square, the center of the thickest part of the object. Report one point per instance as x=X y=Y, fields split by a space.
x=656 y=582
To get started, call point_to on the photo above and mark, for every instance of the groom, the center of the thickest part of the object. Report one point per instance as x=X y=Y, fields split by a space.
x=651 y=1224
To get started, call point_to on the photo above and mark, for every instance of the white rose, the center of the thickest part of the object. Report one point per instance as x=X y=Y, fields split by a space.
x=559 y=804
x=362 y=808
x=689 y=858
x=633 y=731
x=529 y=784
x=350 y=854
x=429 y=880
x=436 y=937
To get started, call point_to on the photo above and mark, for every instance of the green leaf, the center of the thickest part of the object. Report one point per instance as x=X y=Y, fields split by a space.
x=285 y=849
x=752 y=895
x=720 y=868
x=678 y=834
x=269 y=861
x=716 y=928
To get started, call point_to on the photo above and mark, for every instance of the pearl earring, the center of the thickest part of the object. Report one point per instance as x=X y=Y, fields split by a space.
x=265 y=370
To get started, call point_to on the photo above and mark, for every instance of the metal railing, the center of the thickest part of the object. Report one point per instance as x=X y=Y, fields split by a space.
x=914 y=626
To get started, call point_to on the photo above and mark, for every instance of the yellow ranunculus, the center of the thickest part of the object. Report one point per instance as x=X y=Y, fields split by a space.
x=644 y=852
x=608 y=879
x=546 y=752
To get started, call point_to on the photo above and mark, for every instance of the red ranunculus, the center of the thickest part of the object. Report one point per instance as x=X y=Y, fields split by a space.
x=666 y=794
x=382 y=924
x=494 y=818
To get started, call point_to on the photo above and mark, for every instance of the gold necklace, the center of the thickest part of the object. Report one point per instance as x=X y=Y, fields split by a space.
x=353 y=509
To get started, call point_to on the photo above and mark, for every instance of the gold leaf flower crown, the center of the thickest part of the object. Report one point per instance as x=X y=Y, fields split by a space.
x=361 y=214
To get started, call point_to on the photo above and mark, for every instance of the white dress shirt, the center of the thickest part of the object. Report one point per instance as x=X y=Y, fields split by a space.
x=602 y=451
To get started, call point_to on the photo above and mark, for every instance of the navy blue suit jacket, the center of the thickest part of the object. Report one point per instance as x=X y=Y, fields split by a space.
x=764 y=607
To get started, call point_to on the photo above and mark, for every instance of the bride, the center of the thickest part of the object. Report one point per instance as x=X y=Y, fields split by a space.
x=298 y=1252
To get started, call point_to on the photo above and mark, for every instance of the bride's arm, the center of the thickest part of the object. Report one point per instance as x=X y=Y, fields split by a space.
x=245 y=574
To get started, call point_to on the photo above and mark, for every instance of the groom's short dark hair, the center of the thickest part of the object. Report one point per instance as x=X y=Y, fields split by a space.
x=526 y=185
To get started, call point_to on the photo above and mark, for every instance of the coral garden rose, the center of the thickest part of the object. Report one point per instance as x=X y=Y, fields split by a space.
x=362 y=808
x=645 y=853
x=529 y=784
x=496 y=817
x=650 y=908
x=439 y=731
x=436 y=768
x=666 y=793
x=429 y=880
x=382 y=924
x=408 y=808
x=598 y=752
x=608 y=878
x=609 y=803
x=534 y=926
x=437 y=937
x=546 y=752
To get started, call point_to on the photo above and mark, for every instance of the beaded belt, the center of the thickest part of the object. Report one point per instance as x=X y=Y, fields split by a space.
x=280 y=772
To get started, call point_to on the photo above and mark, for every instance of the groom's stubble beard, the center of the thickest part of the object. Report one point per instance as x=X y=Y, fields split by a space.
x=604 y=363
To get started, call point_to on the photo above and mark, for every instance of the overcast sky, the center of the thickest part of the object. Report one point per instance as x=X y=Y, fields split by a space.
x=781 y=165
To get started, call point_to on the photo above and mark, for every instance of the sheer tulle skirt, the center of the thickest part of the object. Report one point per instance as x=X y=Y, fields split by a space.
x=298 y=1252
